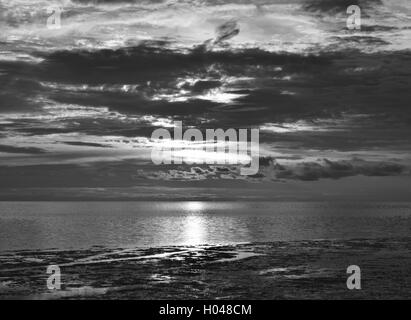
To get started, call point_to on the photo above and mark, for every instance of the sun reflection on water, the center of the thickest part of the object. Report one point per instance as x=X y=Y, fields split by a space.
x=194 y=230
x=194 y=223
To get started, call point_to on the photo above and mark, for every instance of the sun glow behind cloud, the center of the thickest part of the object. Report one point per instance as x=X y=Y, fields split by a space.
x=194 y=206
x=199 y=152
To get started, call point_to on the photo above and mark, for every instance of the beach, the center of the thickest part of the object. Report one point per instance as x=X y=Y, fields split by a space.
x=260 y=257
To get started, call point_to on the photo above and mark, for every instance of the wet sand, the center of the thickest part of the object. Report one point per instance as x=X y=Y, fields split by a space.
x=314 y=269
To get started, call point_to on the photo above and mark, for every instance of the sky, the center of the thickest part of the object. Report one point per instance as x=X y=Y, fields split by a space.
x=79 y=104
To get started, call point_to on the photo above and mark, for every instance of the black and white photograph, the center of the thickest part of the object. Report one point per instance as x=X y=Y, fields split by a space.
x=219 y=150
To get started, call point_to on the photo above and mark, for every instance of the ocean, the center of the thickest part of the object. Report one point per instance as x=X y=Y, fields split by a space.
x=79 y=225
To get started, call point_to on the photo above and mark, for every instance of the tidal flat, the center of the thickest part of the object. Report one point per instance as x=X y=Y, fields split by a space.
x=314 y=269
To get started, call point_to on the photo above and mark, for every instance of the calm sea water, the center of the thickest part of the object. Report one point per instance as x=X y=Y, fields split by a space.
x=66 y=225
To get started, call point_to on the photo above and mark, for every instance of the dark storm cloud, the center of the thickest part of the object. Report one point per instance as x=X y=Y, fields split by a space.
x=130 y=173
x=308 y=87
x=86 y=144
x=334 y=6
x=355 y=40
x=14 y=149
x=324 y=85
x=309 y=171
x=271 y=170
x=158 y=57
x=17 y=92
